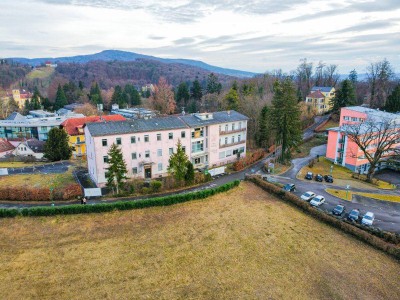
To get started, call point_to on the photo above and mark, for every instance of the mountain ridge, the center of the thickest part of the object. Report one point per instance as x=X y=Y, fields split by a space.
x=118 y=55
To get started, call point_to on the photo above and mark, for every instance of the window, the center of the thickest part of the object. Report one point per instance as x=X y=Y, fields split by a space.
x=158 y=136
x=198 y=132
x=159 y=152
x=184 y=149
x=222 y=154
x=171 y=151
x=239 y=138
x=232 y=139
x=226 y=127
x=183 y=134
x=228 y=153
x=233 y=126
x=104 y=142
x=226 y=140
x=105 y=159
x=197 y=160
x=146 y=138
x=133 y=139
x=118 y=141
x=236 y=151
x=159 y=166
x=43 y=128
x=197 y=146
x=346 y=118
x=78 y=139
x=134 y=170
x=134 y=155
x=147 y=154
x=354 y=119
x=170 y=135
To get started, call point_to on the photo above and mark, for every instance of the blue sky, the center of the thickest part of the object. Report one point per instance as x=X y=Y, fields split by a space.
x=249 y=35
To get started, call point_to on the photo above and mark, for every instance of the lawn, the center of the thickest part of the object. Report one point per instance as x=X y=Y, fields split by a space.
x=343 y=194
x=40 y=73
x=38 y=180
x=229 y=246
x=304 y=149
x=328 y=125
x=18 y=164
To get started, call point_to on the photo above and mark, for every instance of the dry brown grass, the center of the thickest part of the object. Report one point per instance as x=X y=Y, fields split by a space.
x=229 y=246
x=38 y=180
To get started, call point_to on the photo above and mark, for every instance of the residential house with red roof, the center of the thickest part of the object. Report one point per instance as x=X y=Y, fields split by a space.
x=74 y=128
x=320 y=98
x=6 y=148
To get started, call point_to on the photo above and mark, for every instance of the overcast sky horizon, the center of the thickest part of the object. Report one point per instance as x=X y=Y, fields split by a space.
x=249 y=35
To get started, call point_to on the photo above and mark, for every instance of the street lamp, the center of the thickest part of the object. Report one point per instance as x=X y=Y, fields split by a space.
x=331 y=169
x=347 y=191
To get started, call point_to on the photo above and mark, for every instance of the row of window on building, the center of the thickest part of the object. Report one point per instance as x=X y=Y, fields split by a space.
x=228 y=153
x=135 y=139
x=233 y=127
x=353 y=119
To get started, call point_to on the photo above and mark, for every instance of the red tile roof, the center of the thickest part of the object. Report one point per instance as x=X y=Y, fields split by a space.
x=71 y=125
x=316 y=94
x=5 y=145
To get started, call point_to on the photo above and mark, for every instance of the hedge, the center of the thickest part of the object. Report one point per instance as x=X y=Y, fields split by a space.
x=106 y=207
x=382 y=240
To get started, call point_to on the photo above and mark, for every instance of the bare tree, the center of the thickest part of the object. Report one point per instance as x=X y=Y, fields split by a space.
x=331 y=75
x=376 y=138
x=163 y=97
x=304 y=77
x=319 y=74
x=379 y=76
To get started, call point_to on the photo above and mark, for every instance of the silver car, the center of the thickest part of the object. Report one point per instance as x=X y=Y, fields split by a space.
x=368 y=219
x=317 y=200
x=307 y=196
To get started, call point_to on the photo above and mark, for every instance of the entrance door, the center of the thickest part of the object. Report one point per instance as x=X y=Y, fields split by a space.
x=147 y=172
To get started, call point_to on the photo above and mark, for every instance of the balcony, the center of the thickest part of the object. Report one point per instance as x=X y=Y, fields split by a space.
x=340 y=150
x=341 y=141
x=232 y=144
x=232 y=131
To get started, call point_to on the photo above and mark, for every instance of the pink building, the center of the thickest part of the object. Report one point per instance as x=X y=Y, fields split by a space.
x=209 y=140
x=344 y=151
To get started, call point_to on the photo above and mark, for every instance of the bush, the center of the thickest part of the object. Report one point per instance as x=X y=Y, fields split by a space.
x=381 y=240
x=248 y=160
x=155 y=186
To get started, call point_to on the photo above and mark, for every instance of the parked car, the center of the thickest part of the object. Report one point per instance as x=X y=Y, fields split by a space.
x=290 y=187
x=319 y=178
x=368 y=219
x=328 y=178
x=338 y=210
x=307 y=196
x=317 y=200
x=354 y=215
x=309 y=176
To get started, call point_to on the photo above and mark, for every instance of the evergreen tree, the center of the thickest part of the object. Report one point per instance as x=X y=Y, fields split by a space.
x=393 y=101
x=95 y=94
x=133 y=96
x=264 y=131
x=178 y=163
x=285 y=118
x=232 y=99
x=116 y=171
x=47 y=105
x=182 y=94
x=35 y=101
x=80 y=85
x=119 y=97
x=61 y=99
x=196 y=91
x=56 y=147
x=353 y=77
x=345 y=96
x=213 y=85
x=189 y=176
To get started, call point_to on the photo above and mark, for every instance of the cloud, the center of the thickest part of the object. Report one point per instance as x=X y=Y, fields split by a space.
x=372 y=25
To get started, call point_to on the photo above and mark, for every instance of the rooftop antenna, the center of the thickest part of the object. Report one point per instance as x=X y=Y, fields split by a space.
x=183 y=111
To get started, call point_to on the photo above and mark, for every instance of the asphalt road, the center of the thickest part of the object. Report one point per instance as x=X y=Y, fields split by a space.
x=57 y=167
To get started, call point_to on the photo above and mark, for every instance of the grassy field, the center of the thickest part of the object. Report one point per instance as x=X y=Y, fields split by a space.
x=229 y=246
x=40 y=73
x=343 y=194
x=38 y=180
x=329 y=124
x=19 y=164
x=304 y=149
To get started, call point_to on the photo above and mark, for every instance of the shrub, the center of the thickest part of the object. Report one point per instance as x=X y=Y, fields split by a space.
x=155 y=186
x=248 y=160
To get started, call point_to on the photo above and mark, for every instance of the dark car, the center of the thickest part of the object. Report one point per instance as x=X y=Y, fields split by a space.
x=354 y=215
x=309 y=176
x=328 y=178
x=338 y=210
x=319 y=178
x=290 y=187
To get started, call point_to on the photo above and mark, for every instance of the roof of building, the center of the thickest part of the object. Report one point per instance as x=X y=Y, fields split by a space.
x=71 y=125
x=194 y=120
x=15 y=116
x=373 y=113
x=36 y=145
x=325 y=89
x=163 y=123
x=133 y=126
x=316 y=94
x=5 y=145
x=35 y=122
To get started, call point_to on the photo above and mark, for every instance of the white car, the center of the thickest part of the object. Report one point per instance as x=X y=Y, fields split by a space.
x=307 y=196
x=368 y=219
x=317 y=200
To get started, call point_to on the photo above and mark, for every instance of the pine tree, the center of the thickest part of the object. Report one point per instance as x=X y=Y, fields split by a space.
x=178 y=163
x=285 y=118
x=393 y=101
x=61 y=100
x=95 y=94
x=116 y=171
x=182 y=94
x=263 y=131
x=56 y=147
x=189 y=176
x=35 y=101
x=119 y=97
x=345 y=96
x=232 y=99
x=196 y=91
x=213 y=85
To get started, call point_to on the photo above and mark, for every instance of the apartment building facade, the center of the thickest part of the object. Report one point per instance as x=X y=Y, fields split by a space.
x=209 y=139
x=344 y=151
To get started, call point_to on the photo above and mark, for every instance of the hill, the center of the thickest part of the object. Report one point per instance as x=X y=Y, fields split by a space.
x=138 y=72
x=111 y=55
x=229 y=246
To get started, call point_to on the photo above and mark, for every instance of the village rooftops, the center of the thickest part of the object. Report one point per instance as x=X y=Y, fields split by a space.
x=325 y=89
x=374 y=113
x=72 y=125
x=316 y=94
x=219 y=117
